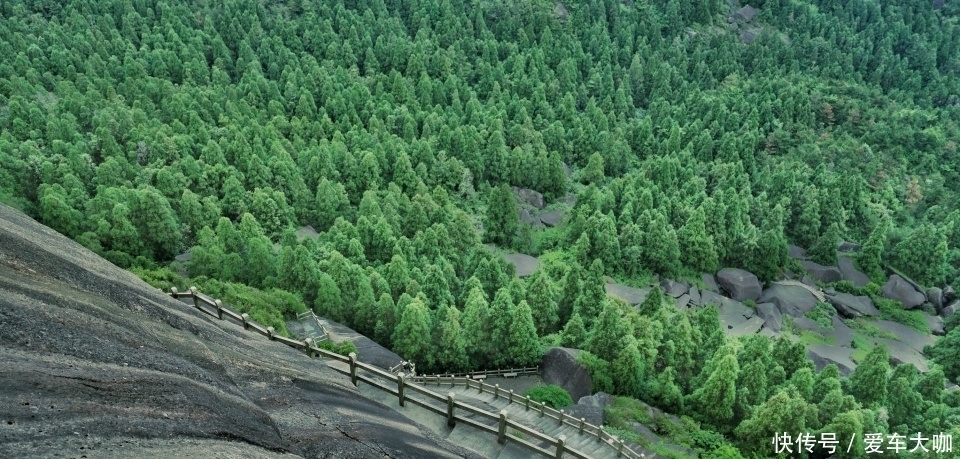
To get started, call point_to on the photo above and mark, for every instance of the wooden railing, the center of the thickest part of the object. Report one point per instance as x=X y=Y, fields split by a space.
x=408 y=391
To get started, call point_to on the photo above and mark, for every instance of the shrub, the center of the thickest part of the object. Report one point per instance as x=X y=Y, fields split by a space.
x=725 y=452
x=846 y=286
x=344 y=348
x=162 y=278
x=552 y=395
x=822 y=314
x=600 y=372
x=892 y=310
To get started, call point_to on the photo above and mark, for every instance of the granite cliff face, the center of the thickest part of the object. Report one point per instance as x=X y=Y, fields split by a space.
x=96 y=363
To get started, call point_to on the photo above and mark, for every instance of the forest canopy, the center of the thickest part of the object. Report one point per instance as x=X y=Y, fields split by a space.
x=398 y=130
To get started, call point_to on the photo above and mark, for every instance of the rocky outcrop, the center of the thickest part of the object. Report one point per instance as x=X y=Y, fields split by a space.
x=935 y=297
x=524 y=264
x=797 y=252
x=851 y=306
x=710 y=283
x=590 y=408
x=673 y=288
x=560 y=367
x=897 y=288
x=739 y=284
x=849 y=272
x=694 y=295
x=821 y=273
x=950 y=309
x=98 y=363
x=525 y=217
x=772 y=318
x=630 y=295
x=936 y=325
x=553 y=218
x=847 y=246
x=791 y=300
x=529 y=197
x=824 y=354
x=948 y=294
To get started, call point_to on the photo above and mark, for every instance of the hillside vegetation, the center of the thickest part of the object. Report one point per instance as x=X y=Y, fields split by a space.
x=143 y=129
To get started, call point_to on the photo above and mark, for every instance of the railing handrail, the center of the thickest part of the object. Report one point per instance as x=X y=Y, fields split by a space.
x=200 y=300
x=517 y=371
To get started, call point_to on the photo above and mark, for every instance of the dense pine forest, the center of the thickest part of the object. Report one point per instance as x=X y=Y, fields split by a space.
x=675 y=138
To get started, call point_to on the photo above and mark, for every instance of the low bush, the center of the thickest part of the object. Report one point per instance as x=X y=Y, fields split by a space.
x=344 y=348
x=551 y=395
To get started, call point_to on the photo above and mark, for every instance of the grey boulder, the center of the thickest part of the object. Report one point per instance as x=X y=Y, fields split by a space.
x=950 y=309
x=790 y=299
x=530 y=197
x=710 y=283
x=673 y=288
x=628 y=294
x=897 y=288
x=560 y=367
x=850 y=273
x=935 y=296
x=739 y=284
x=796 y=252
x=552 y=218
x=821 y=273
x=948 y=294
x=772 y=318
x=851 y=306
x=846 y=246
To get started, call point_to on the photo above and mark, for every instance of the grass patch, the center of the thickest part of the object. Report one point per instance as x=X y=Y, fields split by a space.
x=822 y=314
x=808 y=337
x=860 y=349
x=864 y=327
x=892 y=310
x=624 y=410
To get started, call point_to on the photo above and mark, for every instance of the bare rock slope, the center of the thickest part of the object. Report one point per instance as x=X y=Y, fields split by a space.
x=96 y=363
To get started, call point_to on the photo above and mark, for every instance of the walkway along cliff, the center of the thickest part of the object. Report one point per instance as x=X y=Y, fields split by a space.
x=571 y=437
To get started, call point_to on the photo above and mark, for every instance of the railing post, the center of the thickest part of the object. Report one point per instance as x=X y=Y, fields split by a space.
x=502 y=430
x=480 y=386
x=246 y=320
x=307 y=345
x=560 y=418
x=599 y=434
x=620 y=449
x=400 y=388
x=450 y=405
x=196 y=299
x=219 y=305
x=511 y=396
x=561 y=446
x=173 y=292
x=527 y=404
x=270 y=331
x=582 y=421
x=496 y=391
x=353 y=367
x=541 y=409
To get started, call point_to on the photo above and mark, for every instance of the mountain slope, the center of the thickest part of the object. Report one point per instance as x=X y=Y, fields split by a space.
x=97 y=363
